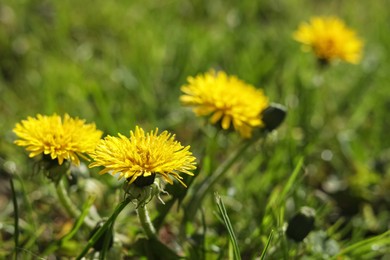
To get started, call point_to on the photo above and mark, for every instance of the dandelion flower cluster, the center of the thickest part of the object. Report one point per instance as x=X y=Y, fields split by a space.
x=330 y=39
x=225 y=99
x=62 y=138
x=143 y=155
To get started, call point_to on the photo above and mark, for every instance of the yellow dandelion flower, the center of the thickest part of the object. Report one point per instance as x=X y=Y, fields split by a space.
x=330 y=39
x=62 y=138
x=225 y=99
x=144 y=155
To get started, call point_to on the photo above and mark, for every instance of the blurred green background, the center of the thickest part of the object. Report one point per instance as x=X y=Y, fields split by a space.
x=121 y=64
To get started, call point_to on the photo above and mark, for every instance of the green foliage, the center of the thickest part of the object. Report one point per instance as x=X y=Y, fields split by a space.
x=121 y=64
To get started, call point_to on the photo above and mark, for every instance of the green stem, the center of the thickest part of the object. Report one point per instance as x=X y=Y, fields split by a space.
x=146 y=223
x=208 y=183
x=16 y=217
x=63 y=196
x=66 y=202
x=107 y=224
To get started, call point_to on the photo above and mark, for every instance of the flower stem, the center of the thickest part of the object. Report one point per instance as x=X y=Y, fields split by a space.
x=208 y=183
x=146 y=223
x=66 y=202
x=63 y=196
x=107 y=224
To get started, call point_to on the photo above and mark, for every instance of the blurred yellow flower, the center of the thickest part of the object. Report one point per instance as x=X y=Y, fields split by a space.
x=226 y=99
x=330 y=39
x=144 y=155
x=62 y=138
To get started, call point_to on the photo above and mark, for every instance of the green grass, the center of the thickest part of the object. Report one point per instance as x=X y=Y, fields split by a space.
x=121 y=64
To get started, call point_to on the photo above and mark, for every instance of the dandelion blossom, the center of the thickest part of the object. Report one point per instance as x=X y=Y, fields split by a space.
x=225 y=99
x=62 y=138
x=330 y=39
x=144 y=155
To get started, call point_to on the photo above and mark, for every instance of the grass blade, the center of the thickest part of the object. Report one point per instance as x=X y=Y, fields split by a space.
x=364 y=245
x=262 y=257
x=16 y=217
x=79 y=222
x=226 y=221
x=291 y=180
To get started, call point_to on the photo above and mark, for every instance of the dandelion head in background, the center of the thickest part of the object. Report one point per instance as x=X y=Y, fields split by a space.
x=226 y=100
x=143 y=156
x=330 y=39
x=59 y=138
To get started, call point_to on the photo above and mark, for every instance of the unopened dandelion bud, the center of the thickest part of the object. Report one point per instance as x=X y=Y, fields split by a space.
x=133 y=191
x=52 y=170
x=273 y=116
x=142 y=195
x=300 y=225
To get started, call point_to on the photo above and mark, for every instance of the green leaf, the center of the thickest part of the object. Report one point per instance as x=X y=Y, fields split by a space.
x=154 y=249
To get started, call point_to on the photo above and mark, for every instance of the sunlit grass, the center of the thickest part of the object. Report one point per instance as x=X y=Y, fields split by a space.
x=121 y=64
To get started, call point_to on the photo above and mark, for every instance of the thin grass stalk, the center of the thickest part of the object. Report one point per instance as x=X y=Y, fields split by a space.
x=16 y=218
x=27 y=205
x=291 y=180
x=229 y=227
x=366 y=242
x=80 y=220
x=263 y=254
